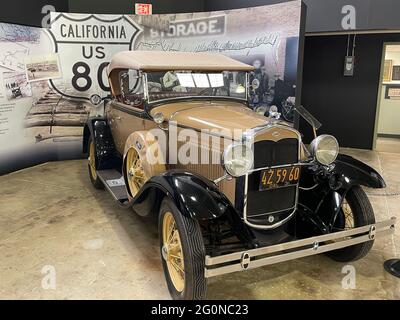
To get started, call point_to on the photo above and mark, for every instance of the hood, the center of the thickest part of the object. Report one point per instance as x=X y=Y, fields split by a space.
x=224 y=115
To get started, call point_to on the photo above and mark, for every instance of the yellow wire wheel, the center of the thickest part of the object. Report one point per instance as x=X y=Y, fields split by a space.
x=134 y=171
x=172 y=251
x=92 y=160
x=348 y=215
x=182 y=252
x=348 y=219
x=356 y=211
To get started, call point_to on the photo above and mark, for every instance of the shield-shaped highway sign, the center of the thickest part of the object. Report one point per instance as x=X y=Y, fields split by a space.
x=85 y=45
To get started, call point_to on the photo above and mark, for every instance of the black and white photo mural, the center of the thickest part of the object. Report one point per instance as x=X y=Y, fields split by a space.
x=47 y=76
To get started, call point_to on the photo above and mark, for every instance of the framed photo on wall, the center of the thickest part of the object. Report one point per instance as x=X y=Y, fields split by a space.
x=387 y=71
x=396 y=73
x=392 y=91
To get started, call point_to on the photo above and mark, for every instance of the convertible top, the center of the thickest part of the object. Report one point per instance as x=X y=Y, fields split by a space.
x=167 y=60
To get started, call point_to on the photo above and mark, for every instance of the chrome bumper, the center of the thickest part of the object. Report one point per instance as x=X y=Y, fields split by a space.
x=286 y=251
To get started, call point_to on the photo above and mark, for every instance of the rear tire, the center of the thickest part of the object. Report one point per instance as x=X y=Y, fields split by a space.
x=185 y=281
x=363 y=214
x=94 y=178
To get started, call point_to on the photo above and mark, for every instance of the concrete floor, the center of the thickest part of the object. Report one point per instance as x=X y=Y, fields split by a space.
x=50 y=215
x=391 y=145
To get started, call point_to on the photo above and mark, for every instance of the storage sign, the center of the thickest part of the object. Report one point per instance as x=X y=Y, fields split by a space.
x=210 y=26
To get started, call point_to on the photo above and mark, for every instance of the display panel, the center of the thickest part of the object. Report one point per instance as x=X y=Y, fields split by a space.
x=48 y=76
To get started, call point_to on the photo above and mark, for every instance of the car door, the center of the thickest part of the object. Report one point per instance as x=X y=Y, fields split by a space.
x=126 y=112
x=124 y=120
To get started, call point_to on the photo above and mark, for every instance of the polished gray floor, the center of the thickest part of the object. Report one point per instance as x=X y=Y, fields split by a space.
x=53 y=222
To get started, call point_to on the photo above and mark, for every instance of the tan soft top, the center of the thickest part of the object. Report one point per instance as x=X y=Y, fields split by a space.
x=167 y=60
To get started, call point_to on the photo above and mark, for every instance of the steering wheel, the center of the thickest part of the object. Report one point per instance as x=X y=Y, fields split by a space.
x=214 y=91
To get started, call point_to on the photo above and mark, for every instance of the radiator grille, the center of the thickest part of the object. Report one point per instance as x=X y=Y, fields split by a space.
x=266 y=154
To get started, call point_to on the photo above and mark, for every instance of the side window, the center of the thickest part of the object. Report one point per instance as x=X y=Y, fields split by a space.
x=131 y=88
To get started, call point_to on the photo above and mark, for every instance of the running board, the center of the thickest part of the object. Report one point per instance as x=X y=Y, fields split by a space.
x=115 y=184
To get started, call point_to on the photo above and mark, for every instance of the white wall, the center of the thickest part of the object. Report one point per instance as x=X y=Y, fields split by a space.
x=389 y=114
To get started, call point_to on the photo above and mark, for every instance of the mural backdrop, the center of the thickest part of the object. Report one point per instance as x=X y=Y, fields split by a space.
x=48 y=76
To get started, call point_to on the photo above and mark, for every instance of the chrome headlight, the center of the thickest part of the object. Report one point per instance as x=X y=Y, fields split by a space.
x=237 y=160
x=325 y=149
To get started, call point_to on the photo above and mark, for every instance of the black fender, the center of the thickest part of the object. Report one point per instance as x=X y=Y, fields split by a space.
x=195 y=196
x=323 y=204
x=99 y=130
x=349 y=172
x=354 y=172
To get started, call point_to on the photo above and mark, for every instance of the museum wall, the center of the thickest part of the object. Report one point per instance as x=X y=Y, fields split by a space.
x=326 y=15
x=345 y=105
x=127 y=6
x=389 y=116
x=389 y=111
x=47 y=81
x=29 y=13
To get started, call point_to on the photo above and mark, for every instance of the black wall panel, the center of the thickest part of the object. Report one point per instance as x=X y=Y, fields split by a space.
x=326 y=15
x=127 y=6
x=28 y=12
x=346 y=106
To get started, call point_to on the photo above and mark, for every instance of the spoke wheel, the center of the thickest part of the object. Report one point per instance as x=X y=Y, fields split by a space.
x=94 y=178
x=134 y=171
x=92 y=160
x=348 y=216
x=172 y=252
x=182 y=253
x=356 y=211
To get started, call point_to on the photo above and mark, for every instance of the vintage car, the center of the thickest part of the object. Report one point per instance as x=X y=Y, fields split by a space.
x=257 y=196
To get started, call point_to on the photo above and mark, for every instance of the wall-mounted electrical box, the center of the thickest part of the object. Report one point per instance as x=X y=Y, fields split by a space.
x=348 y=66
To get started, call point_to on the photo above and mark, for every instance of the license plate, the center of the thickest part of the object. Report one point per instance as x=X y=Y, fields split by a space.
x=279 y=177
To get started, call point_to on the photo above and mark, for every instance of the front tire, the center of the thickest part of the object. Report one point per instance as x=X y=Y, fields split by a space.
x=182 y=253
x=362 y=214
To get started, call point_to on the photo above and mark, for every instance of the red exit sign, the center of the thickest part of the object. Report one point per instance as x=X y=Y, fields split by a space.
x=143 y=8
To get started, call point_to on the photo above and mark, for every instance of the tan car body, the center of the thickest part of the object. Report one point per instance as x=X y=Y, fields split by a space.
x=129 y=129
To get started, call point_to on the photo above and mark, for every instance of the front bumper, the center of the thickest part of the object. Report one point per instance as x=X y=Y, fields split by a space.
x=254 y=258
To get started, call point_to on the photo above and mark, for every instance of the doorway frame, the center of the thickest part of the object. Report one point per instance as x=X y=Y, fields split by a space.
x=380 y=91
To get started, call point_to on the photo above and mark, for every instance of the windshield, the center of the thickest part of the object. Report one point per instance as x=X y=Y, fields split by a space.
x=308 y=117
x=182 y=84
